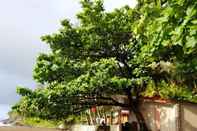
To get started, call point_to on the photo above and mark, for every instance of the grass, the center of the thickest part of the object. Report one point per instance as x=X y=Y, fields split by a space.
x=37 y=122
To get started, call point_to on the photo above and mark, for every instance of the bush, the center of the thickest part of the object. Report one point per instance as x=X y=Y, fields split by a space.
x=170 y=91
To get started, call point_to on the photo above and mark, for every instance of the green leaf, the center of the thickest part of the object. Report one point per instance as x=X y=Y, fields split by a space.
x=191 y=42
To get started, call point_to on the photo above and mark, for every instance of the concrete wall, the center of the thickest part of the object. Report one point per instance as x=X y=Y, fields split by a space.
x=188 y=117
x=94 y=128
x=83 y=128
x=170 y=116
x=160 y=117
x=148 y=111
x=115 y=128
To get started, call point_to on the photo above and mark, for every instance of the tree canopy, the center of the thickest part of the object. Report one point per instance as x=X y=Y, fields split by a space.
x=147 y=50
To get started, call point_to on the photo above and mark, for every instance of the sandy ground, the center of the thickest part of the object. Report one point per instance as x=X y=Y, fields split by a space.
x=25 y=129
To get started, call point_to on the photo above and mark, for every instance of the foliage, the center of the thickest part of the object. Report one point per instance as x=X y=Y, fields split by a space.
x=170 y=91
x=17 y=119
x=170 y=30
x=37 y=122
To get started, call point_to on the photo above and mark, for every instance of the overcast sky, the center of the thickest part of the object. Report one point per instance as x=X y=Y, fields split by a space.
x=22 y=22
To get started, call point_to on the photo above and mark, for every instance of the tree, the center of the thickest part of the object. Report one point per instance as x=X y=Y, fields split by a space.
x=112 y=53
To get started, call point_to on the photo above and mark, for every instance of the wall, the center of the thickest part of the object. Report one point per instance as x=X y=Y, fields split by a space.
x=160 y=117
x=94 y=128
x=169 y=116
x=189 y=117
x=83 y=128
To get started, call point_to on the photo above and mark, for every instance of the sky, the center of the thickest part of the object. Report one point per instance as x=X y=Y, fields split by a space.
x=22 y=23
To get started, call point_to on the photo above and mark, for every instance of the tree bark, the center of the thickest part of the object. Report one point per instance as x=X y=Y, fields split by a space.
x=140 y=118
x=134 y=107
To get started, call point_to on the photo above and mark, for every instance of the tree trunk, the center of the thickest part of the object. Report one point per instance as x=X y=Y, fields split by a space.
x=91 y=118
x=140 y=118
x=134 y=107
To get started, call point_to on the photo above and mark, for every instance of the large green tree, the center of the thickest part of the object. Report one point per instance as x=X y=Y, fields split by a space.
x=114 y=53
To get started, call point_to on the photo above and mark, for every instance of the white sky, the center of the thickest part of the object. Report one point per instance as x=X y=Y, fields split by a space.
x=22 y=22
